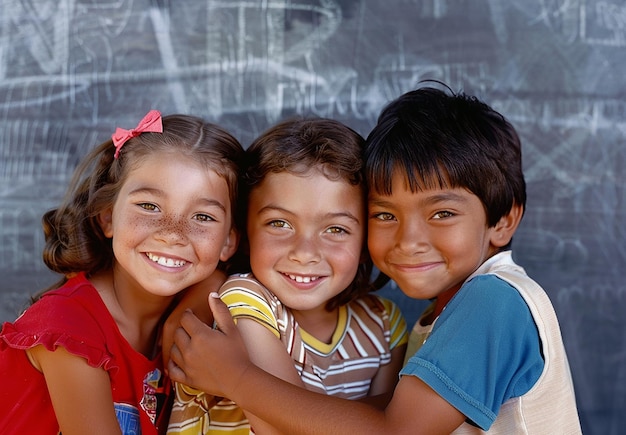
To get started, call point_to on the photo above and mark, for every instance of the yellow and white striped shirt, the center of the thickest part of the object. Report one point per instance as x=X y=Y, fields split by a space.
x=368 y=329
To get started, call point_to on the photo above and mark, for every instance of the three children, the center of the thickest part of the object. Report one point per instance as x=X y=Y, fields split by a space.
x=446 y=195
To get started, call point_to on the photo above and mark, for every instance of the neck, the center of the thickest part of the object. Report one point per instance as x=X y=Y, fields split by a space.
x=138 y=314
x=321 y=324
x=440 y=303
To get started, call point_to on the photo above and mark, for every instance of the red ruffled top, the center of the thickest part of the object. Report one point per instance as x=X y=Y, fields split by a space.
x=75 y=318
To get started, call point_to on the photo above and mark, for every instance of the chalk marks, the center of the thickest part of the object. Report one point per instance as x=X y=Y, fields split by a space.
x=73 y=70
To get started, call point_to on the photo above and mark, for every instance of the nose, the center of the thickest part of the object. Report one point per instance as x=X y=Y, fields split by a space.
x=412 y=237
x=172 y=230
x=305 y=249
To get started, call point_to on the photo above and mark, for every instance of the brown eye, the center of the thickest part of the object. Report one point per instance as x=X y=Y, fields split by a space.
x=337 y=230
x=383 y=216
x=279 y=224
x=148 y=206
x=443 y=214
x=202 y=217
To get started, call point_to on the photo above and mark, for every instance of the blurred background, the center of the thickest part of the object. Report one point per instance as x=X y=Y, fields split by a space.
x=73 y=70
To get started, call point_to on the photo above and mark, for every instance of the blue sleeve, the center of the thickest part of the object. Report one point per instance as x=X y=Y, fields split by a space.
x=483 y=350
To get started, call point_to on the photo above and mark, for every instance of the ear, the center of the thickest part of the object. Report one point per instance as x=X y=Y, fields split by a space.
x=105 y=219
x=230 y=245
x=503 y=231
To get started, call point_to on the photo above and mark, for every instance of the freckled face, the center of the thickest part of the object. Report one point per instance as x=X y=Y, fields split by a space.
x=306 y=236
x=428 y=242
x=170 y=224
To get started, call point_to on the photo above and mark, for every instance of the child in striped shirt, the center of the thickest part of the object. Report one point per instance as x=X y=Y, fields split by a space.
x=305 y=311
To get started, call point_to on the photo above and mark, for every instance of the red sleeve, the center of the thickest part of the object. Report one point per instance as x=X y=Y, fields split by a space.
x=73 y=317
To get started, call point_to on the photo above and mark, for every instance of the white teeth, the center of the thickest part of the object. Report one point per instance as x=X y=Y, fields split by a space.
x=168 y=262
x=305 y=279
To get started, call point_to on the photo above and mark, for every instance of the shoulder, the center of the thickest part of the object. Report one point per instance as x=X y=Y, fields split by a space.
x=377 y=306
x=483 y=349
x=491 y=291
x=73 y=317
x=372 y=305
x=376 y=302
x=248 y=298
x=384 y=313
x=239 y=280
x=245 y=282
x=245 y=288
x=485 y=311
x=486 y=306
x=71 y=306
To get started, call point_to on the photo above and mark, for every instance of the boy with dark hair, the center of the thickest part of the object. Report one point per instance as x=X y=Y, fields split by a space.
x=446 y=195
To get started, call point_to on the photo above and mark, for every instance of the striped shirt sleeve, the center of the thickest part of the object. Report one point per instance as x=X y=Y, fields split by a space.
x=246 y=298
x=397 y=324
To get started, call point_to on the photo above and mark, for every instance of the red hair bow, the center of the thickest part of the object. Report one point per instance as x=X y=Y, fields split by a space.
x=150 y=123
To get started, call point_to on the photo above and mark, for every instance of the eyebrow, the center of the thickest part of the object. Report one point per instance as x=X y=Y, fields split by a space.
x=380 y=201
x=447 y=196
x=348 y=215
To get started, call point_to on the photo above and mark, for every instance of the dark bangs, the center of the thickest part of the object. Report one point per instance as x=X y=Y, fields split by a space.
x=452 y=142
x=397 y=149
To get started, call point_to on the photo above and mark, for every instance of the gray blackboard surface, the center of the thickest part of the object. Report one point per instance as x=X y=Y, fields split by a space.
x=73 y=70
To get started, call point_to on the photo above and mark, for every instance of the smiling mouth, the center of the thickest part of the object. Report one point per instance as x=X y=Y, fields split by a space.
x=302 y=279
x=419 y=267
x=164 y=261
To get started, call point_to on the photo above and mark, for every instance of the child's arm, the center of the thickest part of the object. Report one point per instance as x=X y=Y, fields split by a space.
x=218 y=362
x=251 y=307
x=386 y=379
x=268 y=353
x=81 y=394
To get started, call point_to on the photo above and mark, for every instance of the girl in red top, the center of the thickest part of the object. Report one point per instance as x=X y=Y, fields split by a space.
x=147 y=214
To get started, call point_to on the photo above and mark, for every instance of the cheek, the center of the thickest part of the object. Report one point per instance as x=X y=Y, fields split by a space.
x=263 y=245
x=262 y=266
x=458 y=241
x=265 y=252
x=264 y=249
x=127 y=229
x=375 y=242
x=209 y=241
x=209 y=244
x=355 y=250
x=378 y=250
x=347 y=257
x=168 y=227
x=140 y=224
x=350 y=263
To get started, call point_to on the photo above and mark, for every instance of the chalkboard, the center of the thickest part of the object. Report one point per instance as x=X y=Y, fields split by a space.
x=73 y=70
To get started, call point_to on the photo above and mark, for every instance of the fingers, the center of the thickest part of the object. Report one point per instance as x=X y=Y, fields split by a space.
x=181 y=340
x=176 y=355
x=191 y=324
x=165 y=351
x=174 y=371
x=208 y=360
x=221 y=314
x=176 y=361
x=167 y=336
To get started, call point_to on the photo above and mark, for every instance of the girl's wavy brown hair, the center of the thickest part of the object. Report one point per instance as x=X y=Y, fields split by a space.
x=74 y=241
